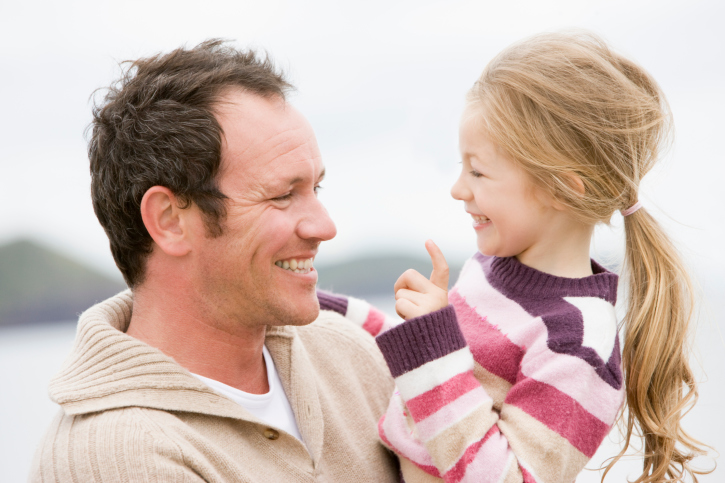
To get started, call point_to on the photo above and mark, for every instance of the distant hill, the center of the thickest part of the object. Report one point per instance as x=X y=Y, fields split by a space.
x=40 y=285
x=373 y=275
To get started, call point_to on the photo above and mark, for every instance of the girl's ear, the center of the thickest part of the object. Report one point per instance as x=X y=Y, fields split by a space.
x=574 y=182
x=165 y=221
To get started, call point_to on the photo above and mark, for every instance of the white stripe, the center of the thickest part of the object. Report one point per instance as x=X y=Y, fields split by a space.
x=434 y=373
x=357 y=310
x=391 y=322
x=452 y=413
x=510 y=463
x=600 y=324
x=526 y=331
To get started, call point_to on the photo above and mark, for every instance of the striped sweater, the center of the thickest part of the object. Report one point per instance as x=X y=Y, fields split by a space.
x=519 y=379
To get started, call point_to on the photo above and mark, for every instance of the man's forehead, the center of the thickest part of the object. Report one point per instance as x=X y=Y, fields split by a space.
x=266 y=138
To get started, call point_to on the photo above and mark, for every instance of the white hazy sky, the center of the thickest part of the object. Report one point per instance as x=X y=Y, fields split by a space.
x=382 y=83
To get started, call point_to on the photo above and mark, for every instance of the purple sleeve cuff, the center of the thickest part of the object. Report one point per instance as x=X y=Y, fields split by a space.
x=332 y=302
x=420 y=340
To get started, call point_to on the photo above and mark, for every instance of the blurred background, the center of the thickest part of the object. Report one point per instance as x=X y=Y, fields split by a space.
x=383 y=84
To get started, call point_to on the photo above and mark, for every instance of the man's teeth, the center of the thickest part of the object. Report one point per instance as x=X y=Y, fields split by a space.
x=297 y=266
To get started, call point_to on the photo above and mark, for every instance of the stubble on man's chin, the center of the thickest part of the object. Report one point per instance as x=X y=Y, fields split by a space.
x=282 y=313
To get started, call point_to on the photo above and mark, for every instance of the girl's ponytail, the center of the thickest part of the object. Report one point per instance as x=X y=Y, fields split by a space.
x=656 y=351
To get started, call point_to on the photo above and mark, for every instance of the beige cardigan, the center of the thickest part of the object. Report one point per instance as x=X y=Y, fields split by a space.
x=129 y=413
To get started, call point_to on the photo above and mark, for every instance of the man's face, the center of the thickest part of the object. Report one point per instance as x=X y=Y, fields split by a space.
x=271 y=169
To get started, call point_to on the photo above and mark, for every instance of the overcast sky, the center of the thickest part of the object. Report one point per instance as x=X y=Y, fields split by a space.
x=382 y=84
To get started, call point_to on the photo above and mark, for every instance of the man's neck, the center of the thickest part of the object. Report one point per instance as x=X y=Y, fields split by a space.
x=221 y=350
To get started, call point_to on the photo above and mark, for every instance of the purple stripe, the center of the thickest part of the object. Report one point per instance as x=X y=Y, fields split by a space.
x=420 y=340
x=332 y=302
x=509 y=276
x=542 y=295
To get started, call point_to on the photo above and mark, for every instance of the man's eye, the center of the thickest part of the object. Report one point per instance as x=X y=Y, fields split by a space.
x=283 y=197
x=317 y=188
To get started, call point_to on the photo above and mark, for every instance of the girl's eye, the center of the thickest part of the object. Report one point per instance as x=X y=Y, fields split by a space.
x=317 y=189
x=475 y=173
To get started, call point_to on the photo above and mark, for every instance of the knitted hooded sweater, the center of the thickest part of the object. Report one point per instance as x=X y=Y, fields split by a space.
x=519 y=379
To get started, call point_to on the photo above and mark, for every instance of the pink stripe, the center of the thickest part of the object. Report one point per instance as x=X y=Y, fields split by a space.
x=456 y=473
x=527 y=476
x=492 y=461
x=374 y=321
x=559 y=413
x=574 y=377
x=429 y=402
x=430 y=469
x=453 y=413
x=395 y=433
x=490 y=348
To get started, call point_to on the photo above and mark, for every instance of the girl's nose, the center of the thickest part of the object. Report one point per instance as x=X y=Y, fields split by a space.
x=459 y=190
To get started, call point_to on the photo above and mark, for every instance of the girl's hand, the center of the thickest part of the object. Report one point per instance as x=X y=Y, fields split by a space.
x=415 y=295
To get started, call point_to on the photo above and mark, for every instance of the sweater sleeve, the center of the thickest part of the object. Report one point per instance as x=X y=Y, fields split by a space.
x=443 y=420
x=358 y=311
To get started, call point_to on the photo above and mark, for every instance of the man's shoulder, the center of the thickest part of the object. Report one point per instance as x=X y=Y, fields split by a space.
x=81 y=447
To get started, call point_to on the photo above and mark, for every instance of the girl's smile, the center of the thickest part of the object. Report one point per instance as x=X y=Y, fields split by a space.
x=511 y=214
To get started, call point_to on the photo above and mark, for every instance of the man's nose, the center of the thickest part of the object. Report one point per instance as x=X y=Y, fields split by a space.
x=317 y=223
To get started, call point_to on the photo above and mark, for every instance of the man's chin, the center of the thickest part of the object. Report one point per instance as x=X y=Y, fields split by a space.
x=306 y=312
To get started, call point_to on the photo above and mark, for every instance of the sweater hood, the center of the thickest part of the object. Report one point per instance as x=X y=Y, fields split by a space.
x=108 y=369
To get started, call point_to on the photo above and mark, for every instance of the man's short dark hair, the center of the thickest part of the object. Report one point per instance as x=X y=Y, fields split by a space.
x=156 y=126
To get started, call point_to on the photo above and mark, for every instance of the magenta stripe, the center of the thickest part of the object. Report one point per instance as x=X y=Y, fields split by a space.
x=431 y=401
x=559 y=413
x=490 y=348
x=456 y=473
x=374 y=321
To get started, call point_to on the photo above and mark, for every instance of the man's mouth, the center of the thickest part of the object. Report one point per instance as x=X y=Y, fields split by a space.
x=303 y=265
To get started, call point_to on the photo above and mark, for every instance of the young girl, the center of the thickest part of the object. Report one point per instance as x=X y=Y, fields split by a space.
x=520 y=378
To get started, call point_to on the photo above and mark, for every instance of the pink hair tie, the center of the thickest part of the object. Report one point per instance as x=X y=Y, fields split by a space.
x=631 y=209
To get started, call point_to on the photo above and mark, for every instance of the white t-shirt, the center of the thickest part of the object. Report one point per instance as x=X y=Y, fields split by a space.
x=272 y=408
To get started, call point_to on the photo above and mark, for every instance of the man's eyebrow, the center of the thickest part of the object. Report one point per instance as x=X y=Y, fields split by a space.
x=299 y=179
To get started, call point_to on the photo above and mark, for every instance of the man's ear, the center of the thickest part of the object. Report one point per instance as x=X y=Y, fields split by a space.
x=165 y=221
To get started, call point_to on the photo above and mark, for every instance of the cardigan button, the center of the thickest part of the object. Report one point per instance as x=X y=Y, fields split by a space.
x=270 y=433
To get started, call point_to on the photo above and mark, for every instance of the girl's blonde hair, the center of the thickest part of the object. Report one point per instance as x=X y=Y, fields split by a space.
x=566 y=106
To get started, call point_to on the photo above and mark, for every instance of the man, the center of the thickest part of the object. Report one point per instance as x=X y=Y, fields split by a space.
x=218 y=364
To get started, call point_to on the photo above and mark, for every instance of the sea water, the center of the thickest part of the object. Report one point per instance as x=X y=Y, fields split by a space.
x=31 y=355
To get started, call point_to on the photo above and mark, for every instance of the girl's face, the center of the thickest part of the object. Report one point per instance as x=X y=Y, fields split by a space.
x=511 y=215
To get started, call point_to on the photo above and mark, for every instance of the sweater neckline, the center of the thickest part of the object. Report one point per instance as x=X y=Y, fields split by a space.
x=512 y=275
